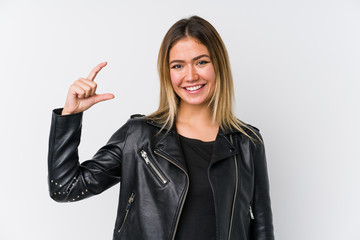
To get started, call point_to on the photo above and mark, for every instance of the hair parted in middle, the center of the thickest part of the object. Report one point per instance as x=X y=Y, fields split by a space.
x=221 y=103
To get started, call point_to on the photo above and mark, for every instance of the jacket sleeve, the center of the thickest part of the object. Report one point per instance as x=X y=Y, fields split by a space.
x=262 y=224
x=68 y=179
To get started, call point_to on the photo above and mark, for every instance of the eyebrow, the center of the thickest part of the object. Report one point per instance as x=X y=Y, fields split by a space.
x=194 y=59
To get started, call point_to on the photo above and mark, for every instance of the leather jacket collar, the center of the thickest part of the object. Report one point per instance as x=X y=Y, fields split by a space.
x=168 y=145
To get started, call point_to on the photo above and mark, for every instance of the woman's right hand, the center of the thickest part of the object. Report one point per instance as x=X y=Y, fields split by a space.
x=82 y=93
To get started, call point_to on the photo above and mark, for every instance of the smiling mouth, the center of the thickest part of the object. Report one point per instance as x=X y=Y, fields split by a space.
x=194 y=88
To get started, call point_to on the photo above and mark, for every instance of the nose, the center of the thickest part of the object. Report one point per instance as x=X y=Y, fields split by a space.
x=191 y=74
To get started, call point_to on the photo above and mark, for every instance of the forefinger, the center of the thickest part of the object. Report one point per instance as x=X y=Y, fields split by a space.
x=95 y=71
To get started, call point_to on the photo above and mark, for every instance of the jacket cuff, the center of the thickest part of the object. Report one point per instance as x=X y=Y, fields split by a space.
x=63 y=122
x=58 y=111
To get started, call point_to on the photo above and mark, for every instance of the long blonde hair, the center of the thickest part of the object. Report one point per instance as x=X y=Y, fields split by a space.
x=221 y=103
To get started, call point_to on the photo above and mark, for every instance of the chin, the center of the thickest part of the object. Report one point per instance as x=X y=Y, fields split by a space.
x=196 y=102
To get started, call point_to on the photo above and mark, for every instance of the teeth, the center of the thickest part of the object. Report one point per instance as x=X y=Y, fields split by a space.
x=193 y=88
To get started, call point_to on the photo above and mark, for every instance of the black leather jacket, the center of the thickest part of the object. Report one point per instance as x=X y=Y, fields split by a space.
x=154 y=179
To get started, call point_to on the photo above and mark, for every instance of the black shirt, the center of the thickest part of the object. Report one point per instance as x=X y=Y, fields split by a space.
x=197 y=220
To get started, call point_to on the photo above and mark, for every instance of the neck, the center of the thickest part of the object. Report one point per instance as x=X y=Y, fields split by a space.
x=195 y=114
x=195 y=121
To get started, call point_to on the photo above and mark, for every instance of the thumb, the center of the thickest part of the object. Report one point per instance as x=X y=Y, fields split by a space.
x=103 y=97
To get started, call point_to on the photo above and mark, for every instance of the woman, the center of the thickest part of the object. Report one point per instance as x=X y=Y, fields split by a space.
x=191 y=170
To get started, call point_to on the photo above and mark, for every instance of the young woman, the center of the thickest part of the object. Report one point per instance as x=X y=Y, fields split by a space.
x=191 y=170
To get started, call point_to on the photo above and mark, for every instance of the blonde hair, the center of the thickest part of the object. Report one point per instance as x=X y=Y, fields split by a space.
x=221 y=103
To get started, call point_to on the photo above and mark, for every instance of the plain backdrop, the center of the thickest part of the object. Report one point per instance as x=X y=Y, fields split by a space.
x=296 y=67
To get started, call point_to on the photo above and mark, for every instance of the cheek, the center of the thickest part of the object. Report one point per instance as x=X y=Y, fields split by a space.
x=213 y=75
x=209 y=75
x=175 y=79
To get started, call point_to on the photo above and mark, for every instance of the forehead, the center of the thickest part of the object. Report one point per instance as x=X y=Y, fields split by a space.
x=187 y=48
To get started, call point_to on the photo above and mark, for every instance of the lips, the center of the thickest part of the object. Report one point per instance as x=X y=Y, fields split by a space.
x=194 y=88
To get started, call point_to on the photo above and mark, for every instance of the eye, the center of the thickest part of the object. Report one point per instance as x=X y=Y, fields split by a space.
x=203 y=62
x=176 y=66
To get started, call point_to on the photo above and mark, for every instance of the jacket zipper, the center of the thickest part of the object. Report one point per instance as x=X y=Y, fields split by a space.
x=251 y=212
x=130 y=201
x=186 y=191
x=235 y=193
x=153 y=167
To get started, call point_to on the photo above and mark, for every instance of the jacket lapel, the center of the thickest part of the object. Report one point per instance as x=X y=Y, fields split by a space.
x=223 y=148
x=168 y=144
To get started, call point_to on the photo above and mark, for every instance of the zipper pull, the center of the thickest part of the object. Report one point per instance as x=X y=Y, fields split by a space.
x=145 y=157
x=131 y=200
x=251 y=213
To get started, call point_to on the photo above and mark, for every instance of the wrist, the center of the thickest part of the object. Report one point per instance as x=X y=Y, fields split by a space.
x=65 y=112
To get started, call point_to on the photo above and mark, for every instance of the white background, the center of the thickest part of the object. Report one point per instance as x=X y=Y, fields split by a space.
x=296 y=66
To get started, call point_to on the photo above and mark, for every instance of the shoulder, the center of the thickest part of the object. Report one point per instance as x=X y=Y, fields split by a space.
x=136 y=121
x=252 y=127
x=251 y=137
x=134 y=116
x=249 y=130
x=257 y=142
x=252 y=130
x=140 y=124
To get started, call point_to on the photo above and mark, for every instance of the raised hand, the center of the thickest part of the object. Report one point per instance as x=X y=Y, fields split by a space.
x=82 y=93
